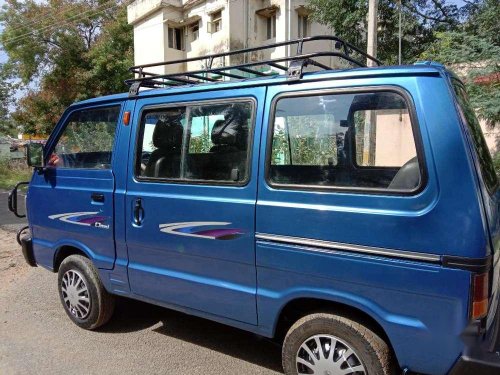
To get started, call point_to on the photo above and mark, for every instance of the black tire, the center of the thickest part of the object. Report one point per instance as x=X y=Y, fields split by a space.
x=372 y=351
x=102 y=304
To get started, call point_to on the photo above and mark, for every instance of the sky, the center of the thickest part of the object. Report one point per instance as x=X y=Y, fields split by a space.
x=3 y=56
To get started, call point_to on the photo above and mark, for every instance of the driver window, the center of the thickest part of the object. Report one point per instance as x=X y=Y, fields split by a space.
x=87 y=140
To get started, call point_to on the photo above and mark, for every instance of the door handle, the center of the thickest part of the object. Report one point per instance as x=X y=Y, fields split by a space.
x=138 y=212
x=97 y=197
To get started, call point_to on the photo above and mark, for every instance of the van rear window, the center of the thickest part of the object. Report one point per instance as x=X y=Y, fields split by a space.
x=476 y=134
x=355 y=140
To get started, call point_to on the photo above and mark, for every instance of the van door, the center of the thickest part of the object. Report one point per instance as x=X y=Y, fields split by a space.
x=71 y=202
x=191 y=201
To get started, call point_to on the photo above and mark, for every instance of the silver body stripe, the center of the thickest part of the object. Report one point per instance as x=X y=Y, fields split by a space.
x=338 y=246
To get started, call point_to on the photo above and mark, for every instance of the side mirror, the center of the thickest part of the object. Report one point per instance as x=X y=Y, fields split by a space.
x=34 y=155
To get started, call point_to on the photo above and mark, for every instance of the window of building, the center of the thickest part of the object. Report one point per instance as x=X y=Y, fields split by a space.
x=87 y=140
x=271 y=26
x=362 y=140
x=194 y=31
x=175 y=38
x=303 y=26
x=215 y=23
x=197 y=143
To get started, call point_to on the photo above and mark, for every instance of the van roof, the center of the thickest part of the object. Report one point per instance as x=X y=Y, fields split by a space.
x=419 y=68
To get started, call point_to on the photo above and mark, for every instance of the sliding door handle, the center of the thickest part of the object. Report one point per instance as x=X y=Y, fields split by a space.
x=138 y=212
x=97 y=197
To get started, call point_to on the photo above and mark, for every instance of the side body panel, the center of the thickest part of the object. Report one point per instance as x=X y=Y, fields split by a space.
x=422 y=307
x=204 y=274
x=58 y=197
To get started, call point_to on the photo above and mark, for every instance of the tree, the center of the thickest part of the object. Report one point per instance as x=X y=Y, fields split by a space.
x=421 y=18
x=64 y=51
x=473 y=51
x=7 y=87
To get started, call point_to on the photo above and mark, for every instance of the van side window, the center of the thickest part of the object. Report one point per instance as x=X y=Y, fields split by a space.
x=87 y=139
x=362 y=140
x=486 y=162
x=207 y=142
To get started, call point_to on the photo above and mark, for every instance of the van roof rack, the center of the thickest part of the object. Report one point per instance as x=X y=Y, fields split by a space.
x=251 y=69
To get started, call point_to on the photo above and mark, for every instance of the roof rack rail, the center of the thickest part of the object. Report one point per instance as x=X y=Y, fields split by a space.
x=292 y=65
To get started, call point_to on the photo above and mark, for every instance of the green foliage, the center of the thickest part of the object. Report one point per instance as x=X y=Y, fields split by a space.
x=496 y=163
x=13 y=171
x=473 y=51
x=200 y=144
x=308 y=145
x=465 y=39
x=420 y=19
x=7 y=86
x=87 y=137
x=71 y=49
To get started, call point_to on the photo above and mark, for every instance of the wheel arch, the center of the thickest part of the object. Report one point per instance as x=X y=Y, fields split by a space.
x=65 y=251
x=67 y=247
x=299 y=307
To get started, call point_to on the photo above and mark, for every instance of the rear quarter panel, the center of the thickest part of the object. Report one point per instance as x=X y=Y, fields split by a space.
x=422 y=307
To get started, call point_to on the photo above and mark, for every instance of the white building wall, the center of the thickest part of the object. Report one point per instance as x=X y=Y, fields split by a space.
x=241 y=27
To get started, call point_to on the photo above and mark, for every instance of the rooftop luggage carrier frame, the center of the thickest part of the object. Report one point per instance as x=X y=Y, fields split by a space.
x=294 y=70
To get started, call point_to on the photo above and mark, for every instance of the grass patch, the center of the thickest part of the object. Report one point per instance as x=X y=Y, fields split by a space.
x=12 y=172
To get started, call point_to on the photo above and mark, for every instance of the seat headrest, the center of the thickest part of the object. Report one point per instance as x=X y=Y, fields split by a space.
x=168 y=135
x=229 y=133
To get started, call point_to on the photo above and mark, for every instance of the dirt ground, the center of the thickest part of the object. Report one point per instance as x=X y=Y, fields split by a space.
x=12 y=264
x=36 y=336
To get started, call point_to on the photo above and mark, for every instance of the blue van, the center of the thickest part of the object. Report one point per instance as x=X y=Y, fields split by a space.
x=351 y=214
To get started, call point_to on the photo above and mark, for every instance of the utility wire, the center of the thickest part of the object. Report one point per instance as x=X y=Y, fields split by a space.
x=37 y=20
x=72 y=20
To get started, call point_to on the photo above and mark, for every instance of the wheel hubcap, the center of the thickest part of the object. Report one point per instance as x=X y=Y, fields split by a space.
x=327 y=355
x=75 y=294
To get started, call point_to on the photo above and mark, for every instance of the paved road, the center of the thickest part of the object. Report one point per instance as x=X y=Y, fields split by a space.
x=36 y=337
x=7 y=217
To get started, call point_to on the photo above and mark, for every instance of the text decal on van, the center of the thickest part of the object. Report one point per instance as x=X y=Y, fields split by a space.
x=89 y=219
x=192 y=229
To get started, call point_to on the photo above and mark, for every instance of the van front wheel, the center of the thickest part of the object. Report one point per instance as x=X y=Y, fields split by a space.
x=82 y=294
x=330 y=344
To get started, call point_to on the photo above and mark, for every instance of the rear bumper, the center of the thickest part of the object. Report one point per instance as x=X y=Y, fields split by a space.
x=483 y=363
x=477 y=357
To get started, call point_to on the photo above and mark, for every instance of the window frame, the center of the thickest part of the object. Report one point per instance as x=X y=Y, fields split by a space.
x=60 y=132
x=174 y=30
x=193 y=32
x=271 y=22
x=348 y=189
x=303 y=25
x=140 y=134
x=215 y=21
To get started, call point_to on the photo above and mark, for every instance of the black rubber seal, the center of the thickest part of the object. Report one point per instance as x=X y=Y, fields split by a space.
x=476 y=265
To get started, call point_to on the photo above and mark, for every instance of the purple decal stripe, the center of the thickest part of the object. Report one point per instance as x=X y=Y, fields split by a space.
x=92 y=220
x=218 y=233
x=212 y=231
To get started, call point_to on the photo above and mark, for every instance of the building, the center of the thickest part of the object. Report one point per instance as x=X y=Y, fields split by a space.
x=166 y=30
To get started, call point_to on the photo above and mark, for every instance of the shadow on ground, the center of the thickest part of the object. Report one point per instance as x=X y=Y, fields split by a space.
x=131 y=315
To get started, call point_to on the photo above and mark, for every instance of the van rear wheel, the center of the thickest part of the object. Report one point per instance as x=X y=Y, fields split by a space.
x=82 y=294
x=328 y=344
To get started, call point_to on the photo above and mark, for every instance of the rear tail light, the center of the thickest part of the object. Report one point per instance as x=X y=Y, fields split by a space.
x=480 y=291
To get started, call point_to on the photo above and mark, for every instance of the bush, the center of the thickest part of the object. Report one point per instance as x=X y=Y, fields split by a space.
x=12 y=172
x=496 y=162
